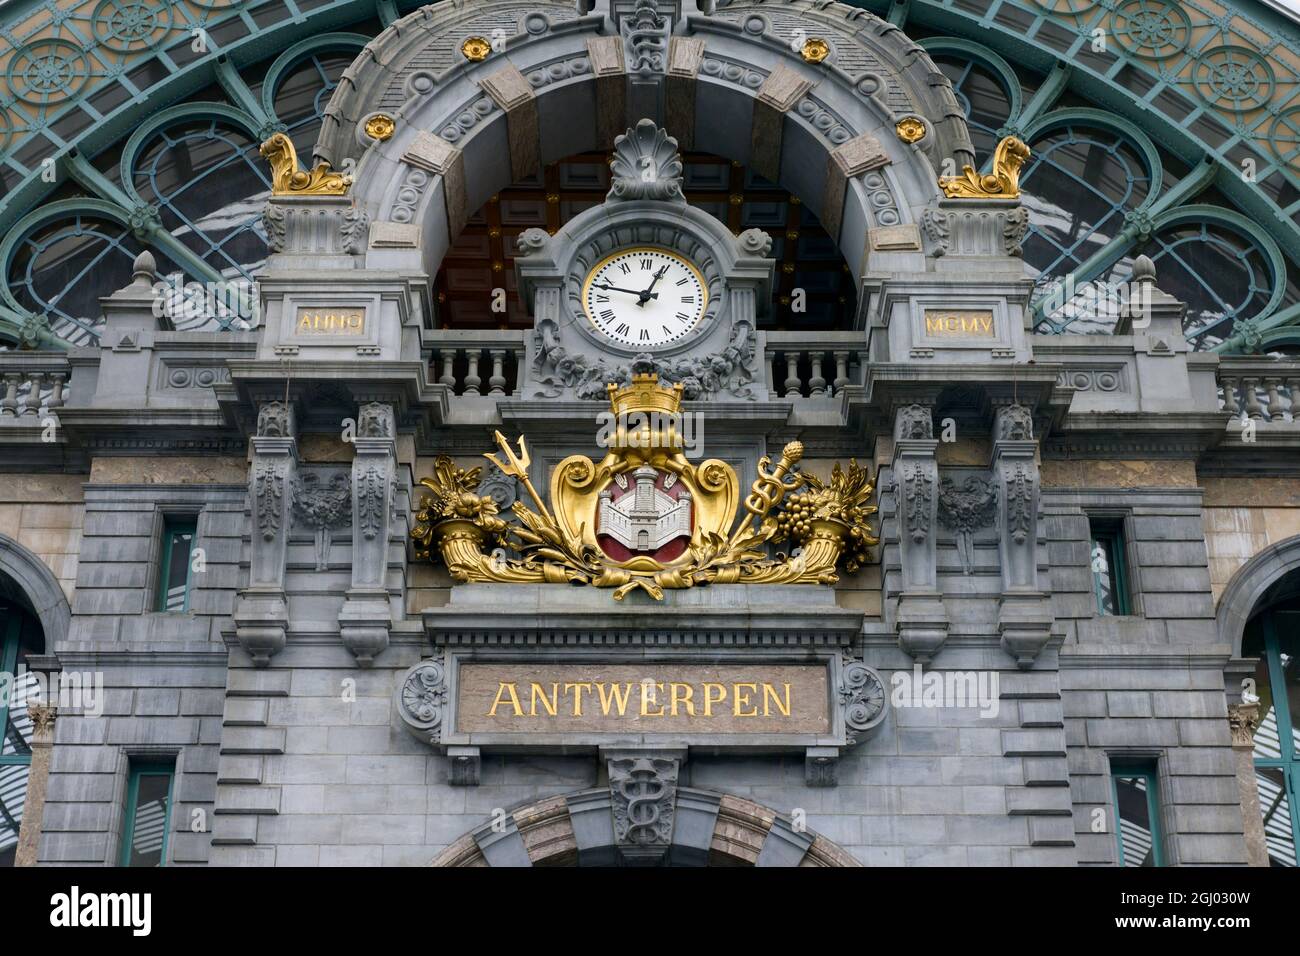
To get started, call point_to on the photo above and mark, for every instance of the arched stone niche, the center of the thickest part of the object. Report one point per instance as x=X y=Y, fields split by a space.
x=565 y=78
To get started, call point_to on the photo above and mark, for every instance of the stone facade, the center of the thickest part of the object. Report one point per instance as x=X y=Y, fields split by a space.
x=281 y=693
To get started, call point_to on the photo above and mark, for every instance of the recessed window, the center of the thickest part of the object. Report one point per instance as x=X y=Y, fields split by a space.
x=1109 y=574
x=19 y=637
x=1137 y=813
x=148 y=813
x=175 y=566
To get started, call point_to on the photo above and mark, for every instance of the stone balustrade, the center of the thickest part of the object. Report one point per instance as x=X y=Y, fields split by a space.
x=472 y=362
x=33 y=383
x=1260 y=389
x=813 y=364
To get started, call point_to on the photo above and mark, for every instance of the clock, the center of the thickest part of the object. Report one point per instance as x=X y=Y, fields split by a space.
x=644 y=297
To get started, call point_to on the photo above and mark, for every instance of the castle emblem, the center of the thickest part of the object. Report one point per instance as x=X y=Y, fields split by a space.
x=646 y=518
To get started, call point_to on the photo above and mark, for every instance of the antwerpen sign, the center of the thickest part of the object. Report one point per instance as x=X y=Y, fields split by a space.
x=723 y=699
x=643 y=698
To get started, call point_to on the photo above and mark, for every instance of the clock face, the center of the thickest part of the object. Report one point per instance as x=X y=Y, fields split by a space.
x=644 y=297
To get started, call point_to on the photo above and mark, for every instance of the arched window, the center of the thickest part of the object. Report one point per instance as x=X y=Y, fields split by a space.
x=1274 y=637
x=20 y=636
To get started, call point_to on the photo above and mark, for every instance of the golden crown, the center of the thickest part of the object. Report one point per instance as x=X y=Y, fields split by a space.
x=645 y=394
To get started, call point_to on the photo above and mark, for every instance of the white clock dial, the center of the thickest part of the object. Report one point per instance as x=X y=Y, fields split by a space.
x=644 y=297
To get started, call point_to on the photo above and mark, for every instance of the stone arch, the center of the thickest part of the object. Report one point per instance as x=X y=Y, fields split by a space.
x=1248 y=586
x=25 y=579
x=711 y=828
x=550 y=81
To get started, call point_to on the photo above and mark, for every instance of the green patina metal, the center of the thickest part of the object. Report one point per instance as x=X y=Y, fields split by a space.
x=1216 y=90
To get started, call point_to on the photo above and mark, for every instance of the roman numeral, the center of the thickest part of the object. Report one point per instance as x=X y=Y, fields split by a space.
x=683 y=281
x=688 y=299
x=602 y=298
x=683 y=316
x=607 y=314
x=667 y=331
x=627 y=269
x=623 y=328
x=647 y=265
x=645 y=335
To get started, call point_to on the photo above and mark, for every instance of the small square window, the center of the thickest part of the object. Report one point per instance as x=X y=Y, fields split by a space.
x=1137 y=813
x=175 y=565
x=1109 y=572
x=148 y=813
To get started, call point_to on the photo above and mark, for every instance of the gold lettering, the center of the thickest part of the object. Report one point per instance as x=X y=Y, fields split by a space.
x=742 y=700
x=684 y=699
x=650 y=698
x=613 y=697
x=710 y=700
x=769 y=692
x=514 y=699
x=549 y=704
x=577 y=699
x=933 y=324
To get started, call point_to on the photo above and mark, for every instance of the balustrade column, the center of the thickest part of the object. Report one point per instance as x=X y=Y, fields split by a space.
x=57 y=380
x=472 y=378
x=448 y=376
x=841 y=371
x=35 y=382
x=1251 y=399
x=1274 y=399
x=792 y=382
x=497 y=383
x=816 y=381
x=9 y=404
x=1230 y=403
x=1293 y=392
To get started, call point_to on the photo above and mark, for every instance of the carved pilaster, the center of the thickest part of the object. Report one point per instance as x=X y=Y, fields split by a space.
x=922 y=624
x=1024 y=614
x=1243 y=721
x=261 y=614
x=643 y=791
x=38 y=778
x=366 y=617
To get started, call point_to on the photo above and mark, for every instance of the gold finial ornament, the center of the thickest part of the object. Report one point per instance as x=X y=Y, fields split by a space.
x=910 y=129
x=644 y=517
x=1002 y=183
x=475 y=49
x=288 y=180
x=814 y=50
x=381 y=126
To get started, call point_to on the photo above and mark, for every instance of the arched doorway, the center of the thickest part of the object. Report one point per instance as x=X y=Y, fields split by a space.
x=710 y=829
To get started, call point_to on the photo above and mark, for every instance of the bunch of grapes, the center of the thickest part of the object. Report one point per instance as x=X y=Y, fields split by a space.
x=794 y=521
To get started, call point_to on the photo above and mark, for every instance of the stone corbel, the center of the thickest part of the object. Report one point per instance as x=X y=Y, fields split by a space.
x=261 y=614
x=366 y=617
x=643 y=793
x=645 y=32
x=922 y=623
x=1024 y=613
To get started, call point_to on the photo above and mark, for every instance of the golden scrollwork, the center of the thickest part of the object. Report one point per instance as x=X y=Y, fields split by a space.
x=814 y=50
x=910 y=129
x=1002 y=183
x=562 y=542
x=288 y=180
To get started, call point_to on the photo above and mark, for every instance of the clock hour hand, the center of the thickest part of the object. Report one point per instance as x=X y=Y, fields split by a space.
x=649 y=293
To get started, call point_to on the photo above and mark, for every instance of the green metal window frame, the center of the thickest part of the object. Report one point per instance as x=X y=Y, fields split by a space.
x=10 y=641
x=173 y=528
x=140 y=769
x=1289 y=761
x=1144 y=770
x=1110 y=531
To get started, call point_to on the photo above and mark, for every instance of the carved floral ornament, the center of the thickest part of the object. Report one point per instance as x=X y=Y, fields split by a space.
x=645 y=517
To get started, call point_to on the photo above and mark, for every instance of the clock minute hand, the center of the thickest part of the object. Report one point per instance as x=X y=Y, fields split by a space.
x=614 y=288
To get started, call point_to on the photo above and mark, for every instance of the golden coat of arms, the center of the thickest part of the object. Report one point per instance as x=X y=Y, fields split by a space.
x=646 y=517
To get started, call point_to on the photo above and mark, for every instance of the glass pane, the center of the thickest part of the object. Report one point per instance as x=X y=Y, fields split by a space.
x=1268 y=746
x=1103 y=574
x=176 y=575
x=1288 y=643
x=149 y=826
x=1134 y=821
x=18 y=726
x=1276 y=811
x=13 y=791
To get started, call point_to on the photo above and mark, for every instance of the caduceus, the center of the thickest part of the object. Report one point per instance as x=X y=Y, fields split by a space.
x=770 y=487
x=516 y=466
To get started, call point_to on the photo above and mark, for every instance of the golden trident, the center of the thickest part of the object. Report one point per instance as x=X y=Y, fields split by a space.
x=518 y=468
